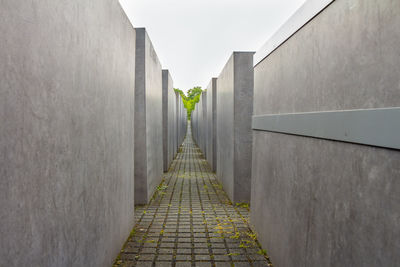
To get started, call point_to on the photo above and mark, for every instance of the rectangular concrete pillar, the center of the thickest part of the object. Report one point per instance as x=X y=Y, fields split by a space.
x=177 y=119
x=211 y=122
x=67 y=77
x=234 y=135
x=148 y=119
x=182 y=121
x=195 y=123
x=202 y=122
x=318 y=202
x=199 y=118
x=169 y=119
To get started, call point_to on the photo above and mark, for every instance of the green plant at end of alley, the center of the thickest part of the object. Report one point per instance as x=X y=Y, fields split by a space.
x=190 y=100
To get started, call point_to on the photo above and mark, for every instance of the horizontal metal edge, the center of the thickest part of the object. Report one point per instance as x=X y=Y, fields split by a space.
x=374 y=127
x=302 y=16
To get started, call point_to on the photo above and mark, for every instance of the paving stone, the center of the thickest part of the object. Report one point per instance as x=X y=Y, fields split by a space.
x=201 y=245
x=202 y=257
x=165 y=251
x=163 y=264
x=221 y=258
x=146 y=257
x=184 y=251
x=183 y=257
x=162 y=257
x=143 y=264
x=201 y=251
x=224 y=264
x=243 y=264
x=203 y=264
x=184 y=245
x=192 y=215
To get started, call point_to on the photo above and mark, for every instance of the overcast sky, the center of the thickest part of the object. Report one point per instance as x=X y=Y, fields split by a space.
x=194 y=38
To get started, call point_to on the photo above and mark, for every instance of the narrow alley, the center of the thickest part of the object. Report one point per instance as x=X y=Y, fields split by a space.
x=191 y=222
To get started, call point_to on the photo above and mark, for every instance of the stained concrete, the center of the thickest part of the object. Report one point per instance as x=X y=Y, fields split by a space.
x=66 y=135
x=148 y=119
x=211 y=122
x=234 y=135
x=319 y=202
x=169 y=120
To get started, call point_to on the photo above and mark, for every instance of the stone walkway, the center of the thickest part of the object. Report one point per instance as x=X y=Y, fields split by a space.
x=191 y=222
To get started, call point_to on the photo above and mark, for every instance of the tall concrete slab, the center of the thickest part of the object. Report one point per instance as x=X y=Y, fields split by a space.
x=148 y=119
x=234 y=135
x=318 y=202
x=211 y=122
x=195 y=123
x=66 y=136
x=169 y=120
x=177 y=119
x=182 y=121
x=203 y=124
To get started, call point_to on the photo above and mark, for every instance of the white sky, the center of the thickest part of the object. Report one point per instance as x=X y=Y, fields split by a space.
x=194 y=38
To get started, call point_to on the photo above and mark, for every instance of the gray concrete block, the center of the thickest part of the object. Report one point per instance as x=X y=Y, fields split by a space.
x=148 y=119
x=203 y=124
x=178 y=120
x=195 y=123
x=234 y=135
x=182 y=121
x=66 y=135
x=329 y=203
x=169 y=120
x=199 y=127
x=211 y=122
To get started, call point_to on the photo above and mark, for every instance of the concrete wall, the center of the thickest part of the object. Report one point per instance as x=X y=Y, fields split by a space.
x=203 y=124
x=211 y=122
x=173 y=121
x=234 y=136
x=148 y=119
x=66 y=135
x=181 y=121
x=199 y=126
x=169 y=120
x=177 y=119
x=195 y=123
x=317 y=202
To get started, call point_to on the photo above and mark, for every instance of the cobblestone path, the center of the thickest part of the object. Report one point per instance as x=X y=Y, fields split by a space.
x=191 y=222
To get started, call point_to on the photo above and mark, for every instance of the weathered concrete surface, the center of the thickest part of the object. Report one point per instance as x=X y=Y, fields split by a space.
x=181 y=121
x=234 y=135
x=148 y=119
x=319 y=202
x=172 y=121
x=211 y=122
x=195 y=123
x=177 y=118
x=198 y=122
x=169 y=119
x=66 y=136
x=203 y=124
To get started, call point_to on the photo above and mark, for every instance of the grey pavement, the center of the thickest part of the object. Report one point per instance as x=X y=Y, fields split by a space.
x=190 y=221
